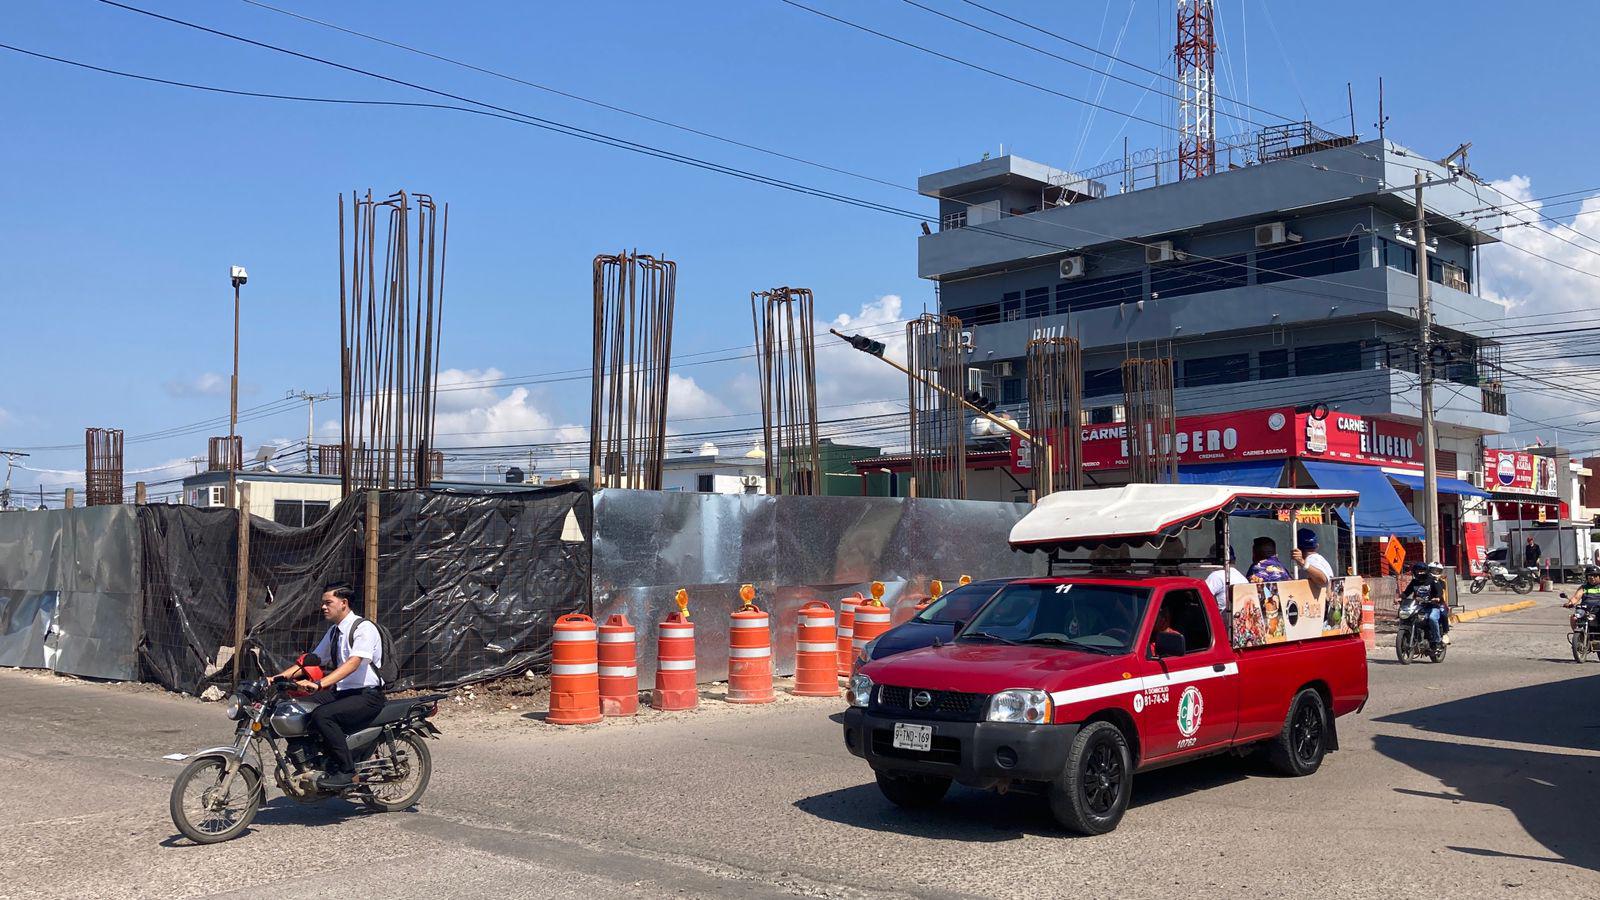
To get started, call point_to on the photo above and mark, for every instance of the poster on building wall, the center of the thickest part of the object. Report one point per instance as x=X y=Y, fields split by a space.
x=1255 y=434
x=1475 y=537
x=1516 y=472
x=1357 y=439
x=1281 y=611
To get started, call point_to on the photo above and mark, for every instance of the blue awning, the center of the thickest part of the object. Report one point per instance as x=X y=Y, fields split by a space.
x=1381 y=513
x=1446 y=485
x=1255 y=473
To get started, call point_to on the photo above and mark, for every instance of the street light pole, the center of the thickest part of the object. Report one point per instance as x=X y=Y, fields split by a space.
x=239 y=276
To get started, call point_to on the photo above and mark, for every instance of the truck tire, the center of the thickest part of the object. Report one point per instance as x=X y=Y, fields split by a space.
x=912 y=791
x=1298 y=749
x=1092 y=791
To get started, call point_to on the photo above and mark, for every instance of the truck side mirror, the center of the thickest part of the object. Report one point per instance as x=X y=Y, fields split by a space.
x=1168 y=643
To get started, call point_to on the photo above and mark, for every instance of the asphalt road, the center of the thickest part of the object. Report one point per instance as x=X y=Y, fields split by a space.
x=1476 y=777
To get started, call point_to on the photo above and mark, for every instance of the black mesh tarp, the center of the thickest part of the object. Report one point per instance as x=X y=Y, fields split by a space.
x=469 y=584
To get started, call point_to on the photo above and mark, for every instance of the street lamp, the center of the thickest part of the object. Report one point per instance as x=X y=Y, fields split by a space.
x=239 y=276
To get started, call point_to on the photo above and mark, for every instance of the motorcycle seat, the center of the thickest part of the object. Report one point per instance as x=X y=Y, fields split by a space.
x=397 y=710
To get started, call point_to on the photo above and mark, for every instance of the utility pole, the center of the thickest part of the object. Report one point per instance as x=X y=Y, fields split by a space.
x=311 y=417
x=1430 y=438
x=238 y=276
x=5 y=493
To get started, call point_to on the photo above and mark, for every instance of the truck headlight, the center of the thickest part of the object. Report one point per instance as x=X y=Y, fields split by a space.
x=860 y=690
x=235 y=708
x=1025 y=706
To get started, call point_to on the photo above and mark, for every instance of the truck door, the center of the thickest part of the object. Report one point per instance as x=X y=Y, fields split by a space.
x=1189 y=703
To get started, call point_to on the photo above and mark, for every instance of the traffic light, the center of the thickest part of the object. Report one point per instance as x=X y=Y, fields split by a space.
x=866 y=345
x=977 y=399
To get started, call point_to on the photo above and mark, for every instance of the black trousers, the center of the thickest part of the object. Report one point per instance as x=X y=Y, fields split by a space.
x=347 y=711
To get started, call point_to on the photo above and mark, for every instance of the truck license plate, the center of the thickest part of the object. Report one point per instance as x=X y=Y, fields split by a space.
x=913 y=737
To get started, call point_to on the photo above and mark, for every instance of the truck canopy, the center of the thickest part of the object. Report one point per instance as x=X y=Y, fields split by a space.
x=1139 y=515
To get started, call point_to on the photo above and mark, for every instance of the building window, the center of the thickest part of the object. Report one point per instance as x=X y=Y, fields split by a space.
x=1011 y=390
x=288 y=512
x=1011 y=306
x=956 y=219
x=1198 y=277
x=1308 y=260
x=705 y=484
x=315 y=510
x=1098 y=293
x=1216 y=370
x=1103 y=415
x=1327 y=358
x=1398 y=256
x=1037 y=303
x=1273 y=364
x=1099 y=382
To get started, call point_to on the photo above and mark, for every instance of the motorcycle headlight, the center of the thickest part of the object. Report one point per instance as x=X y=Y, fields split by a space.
x=860 y=691
x=1408 y=608
x=235 y=708
x=1025 y=706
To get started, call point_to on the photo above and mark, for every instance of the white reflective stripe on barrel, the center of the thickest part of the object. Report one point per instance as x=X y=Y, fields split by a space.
x=675 y=665
x=816 y=621
x=619 y=671
x=618 y=637
x=858 y=643
x=751 y=623
x=574 y=635
x=871 y=617
x=574 y=668
x=748 y=652
x=677 y=631
x=818 y=647
x=846 y=632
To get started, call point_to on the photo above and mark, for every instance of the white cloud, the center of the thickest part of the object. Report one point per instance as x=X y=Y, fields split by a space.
x=206 y=384
x=688 y=400
x=848 y=376
x=472 y=413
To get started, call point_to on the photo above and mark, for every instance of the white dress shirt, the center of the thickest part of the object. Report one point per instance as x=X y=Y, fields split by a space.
x=364 y=643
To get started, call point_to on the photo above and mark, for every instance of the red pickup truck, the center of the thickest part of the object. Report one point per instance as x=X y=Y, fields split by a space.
x=1072 y=684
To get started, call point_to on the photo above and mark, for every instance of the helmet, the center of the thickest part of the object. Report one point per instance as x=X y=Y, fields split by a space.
x=1591 y=571
x=1436 y=568
x=1419 y=569
x=1305 y=539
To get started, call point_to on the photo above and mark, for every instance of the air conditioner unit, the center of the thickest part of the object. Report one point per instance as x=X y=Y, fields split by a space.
x=1004 y=369
x=1159 y=252
x=1073 y=267
x=1475 y=479
x=1271 y=234
x=1452 y=276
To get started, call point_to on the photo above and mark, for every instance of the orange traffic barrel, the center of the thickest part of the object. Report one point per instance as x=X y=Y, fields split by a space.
x=816 y=652
x=619 y=667
x=1369 y=625
x=847 y=631
x=750 y=652
x=872 y=619
x=675 y=681
x=574 y=672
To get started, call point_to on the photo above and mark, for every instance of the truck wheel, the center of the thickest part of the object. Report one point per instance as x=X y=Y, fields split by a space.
x=913 y=791
x=1091 y=793
x=1299 y=748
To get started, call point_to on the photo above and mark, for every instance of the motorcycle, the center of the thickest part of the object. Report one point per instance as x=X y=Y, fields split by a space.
x=1411 y=635
x=1585 y=636
x=1521 y=582
x=220 y=790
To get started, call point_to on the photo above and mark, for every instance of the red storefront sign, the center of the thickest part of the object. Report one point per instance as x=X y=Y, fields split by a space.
x=1515 y=472
x=1257 y=434
x=1476 y=540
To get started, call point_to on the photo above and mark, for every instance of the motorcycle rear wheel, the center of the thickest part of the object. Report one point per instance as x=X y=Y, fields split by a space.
x=393 y=796
x=192 y=800
x=1436 y=652
x=1522 y=584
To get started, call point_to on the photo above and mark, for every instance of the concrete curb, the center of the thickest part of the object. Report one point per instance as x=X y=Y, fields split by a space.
x=1492 y=611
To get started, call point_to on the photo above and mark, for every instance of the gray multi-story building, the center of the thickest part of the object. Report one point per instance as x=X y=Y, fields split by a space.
x=1283 y=282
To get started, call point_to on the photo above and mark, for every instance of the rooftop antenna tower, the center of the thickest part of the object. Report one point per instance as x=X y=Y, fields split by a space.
x=1197 y=115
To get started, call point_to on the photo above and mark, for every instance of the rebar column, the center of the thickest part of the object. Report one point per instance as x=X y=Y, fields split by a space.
x=787 y=366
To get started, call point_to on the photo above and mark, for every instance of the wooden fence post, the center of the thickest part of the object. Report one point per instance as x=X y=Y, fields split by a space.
x=242 y=591
x=371 y=587
x=140 y=496
x=71 y=494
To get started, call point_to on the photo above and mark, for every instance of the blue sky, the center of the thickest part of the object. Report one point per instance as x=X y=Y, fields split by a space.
x=127 y=201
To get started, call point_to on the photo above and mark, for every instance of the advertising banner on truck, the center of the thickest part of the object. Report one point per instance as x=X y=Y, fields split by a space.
x=1281 y=611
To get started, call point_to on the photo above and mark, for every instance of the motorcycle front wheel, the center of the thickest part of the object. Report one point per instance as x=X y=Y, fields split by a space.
x=1477 y=585
x=202 y=812
x=1580 y=647
x=414 y=765
x=1402 y=647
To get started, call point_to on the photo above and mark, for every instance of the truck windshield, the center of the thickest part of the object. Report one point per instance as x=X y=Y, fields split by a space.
x=958 y=605
x=1095 y=617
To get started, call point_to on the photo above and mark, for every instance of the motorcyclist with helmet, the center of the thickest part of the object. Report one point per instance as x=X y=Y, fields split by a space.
x=1588 y=593
x=1427 y=588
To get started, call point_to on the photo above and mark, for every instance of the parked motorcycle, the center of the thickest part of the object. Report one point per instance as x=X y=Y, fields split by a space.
x=1411 y=635
x=1585 y=636
x=1521 y=581
x=219 y=792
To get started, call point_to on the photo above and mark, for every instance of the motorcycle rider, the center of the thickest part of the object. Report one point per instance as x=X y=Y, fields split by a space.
x=1437 y=571
x=355 y=650
x=1429 y=594
x=1589 y=592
